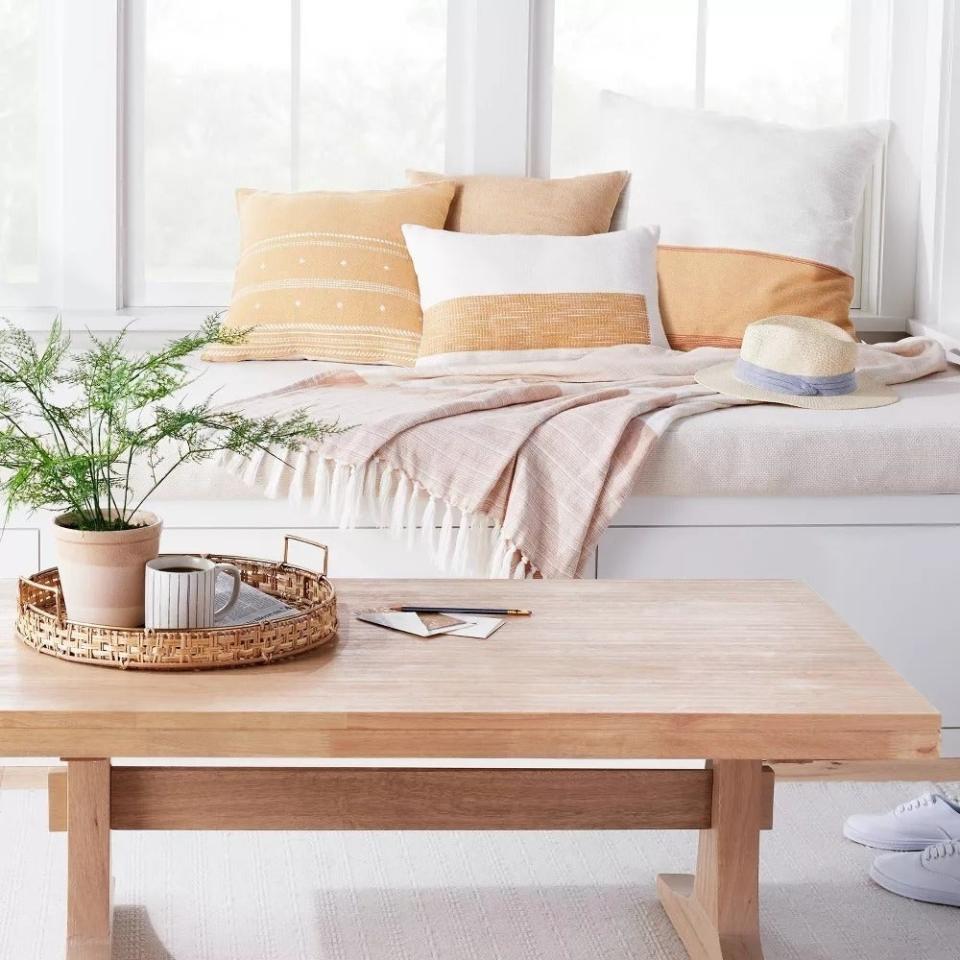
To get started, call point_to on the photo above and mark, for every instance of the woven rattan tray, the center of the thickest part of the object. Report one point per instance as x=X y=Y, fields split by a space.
x=42 y=623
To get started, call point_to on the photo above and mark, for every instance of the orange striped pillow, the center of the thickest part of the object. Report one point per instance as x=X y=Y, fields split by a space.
x=327 y=276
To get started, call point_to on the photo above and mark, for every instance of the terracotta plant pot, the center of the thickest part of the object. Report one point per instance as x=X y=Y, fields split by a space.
x=102 y=571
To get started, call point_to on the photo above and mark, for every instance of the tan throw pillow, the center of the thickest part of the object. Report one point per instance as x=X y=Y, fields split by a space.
x=575 y=206
x=327 y=276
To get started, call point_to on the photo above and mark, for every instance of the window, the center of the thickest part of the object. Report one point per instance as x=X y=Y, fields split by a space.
x=646 y=49
x=19 y=145
x=772 y=61
x=367 y=109
x=778 y=61
x=787 y=62
x=276 y=96
x=125 y=128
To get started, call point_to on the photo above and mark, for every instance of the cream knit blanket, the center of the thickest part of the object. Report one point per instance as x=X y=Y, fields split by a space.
x=508 y=470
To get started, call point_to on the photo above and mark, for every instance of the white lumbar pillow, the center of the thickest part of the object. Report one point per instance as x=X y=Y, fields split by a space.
x=756 y=219
x=487 y=298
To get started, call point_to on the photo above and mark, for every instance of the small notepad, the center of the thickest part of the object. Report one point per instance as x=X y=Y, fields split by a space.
x=440 y=621
x=479 y=628
x=404 y=622
x=432 y=624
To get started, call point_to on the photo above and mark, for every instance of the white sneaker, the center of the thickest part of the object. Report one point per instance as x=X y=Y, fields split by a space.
x=932 y=876
x=914 y=825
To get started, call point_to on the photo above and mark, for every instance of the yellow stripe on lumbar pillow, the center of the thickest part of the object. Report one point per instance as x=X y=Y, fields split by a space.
x=327 y=276
x=487 y=298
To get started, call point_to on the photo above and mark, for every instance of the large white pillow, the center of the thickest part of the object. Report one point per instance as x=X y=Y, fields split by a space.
x=486 y=298
x=756 y=219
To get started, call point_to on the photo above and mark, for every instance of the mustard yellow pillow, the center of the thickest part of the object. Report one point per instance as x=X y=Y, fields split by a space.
x=710 y=295
x=327 y=276
x=574 y=206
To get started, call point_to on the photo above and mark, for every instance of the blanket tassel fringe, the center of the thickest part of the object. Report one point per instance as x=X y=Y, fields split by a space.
x=460 y=543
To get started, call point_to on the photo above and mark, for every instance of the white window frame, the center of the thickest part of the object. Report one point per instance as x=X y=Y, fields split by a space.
x=938 y=277
x=499 y=68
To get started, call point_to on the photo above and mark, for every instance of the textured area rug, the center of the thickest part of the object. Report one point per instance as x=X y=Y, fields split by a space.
x=461 y=896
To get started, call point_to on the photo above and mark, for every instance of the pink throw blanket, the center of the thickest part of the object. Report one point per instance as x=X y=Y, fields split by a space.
x=507 y=470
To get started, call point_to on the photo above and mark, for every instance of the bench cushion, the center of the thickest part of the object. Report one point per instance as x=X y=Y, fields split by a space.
x=911 y=447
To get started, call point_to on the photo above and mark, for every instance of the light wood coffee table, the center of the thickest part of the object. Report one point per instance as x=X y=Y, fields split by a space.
x=738 y=672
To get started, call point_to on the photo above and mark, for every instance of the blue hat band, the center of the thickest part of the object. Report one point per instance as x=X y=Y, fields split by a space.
x=794 y=384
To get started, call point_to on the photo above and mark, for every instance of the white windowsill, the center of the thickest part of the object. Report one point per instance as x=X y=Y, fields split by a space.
x=173 y=319
x=144 y=319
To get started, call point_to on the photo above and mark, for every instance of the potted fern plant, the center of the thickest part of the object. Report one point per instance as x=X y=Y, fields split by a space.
x=78 y=430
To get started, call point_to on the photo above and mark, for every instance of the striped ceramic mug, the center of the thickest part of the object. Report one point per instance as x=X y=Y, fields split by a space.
x=181 y=592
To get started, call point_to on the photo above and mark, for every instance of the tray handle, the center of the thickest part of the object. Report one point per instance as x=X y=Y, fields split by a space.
x=46 y=588
x=287 y=537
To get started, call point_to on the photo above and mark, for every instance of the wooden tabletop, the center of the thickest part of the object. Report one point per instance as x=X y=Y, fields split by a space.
x=603 y=669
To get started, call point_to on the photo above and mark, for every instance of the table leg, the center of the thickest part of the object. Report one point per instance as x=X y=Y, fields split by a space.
x=716 y=912
x=88 y=860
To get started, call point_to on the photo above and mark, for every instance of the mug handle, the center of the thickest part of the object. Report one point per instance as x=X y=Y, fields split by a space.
x=235 y=573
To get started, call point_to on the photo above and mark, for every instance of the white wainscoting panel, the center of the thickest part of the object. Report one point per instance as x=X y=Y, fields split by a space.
x=362 y=552
x=353 y=553
x=19 y=553
x=950 y=745
x=892 y=584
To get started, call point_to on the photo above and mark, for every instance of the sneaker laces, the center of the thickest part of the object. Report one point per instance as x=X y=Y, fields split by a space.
x=950 y=848
x=924 y=800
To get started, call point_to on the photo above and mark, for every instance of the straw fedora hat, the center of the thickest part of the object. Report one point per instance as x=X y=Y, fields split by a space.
x=801 y=362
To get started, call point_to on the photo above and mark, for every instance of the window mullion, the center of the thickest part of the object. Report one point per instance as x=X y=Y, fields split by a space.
x=133 y=212
x=540 y=87
x=90 y=97
x=51 y=158
x=897 y=48
x=700 y=83
x=488 y=86
x=295 y=53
